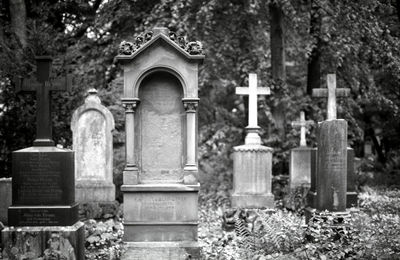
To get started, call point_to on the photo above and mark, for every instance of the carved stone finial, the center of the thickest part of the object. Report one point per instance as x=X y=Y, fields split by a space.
x=92 y=96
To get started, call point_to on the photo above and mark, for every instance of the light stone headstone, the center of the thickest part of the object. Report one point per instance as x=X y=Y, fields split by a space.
x=92 y=125
x=252 y=162
x=300 y=157
x=160 y=179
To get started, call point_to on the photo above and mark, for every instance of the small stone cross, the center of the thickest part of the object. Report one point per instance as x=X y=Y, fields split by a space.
x=303 y=124
x=331 y=92
x=252 y=91
x=43 y=85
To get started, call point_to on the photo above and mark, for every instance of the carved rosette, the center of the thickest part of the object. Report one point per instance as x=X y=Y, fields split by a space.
x=190 y=105
x=128 y=48
x=130 y=105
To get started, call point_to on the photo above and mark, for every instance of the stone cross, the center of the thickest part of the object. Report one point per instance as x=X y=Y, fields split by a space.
x=252 y=91
x=303 y=124
x=43 y=85
x=331 y=92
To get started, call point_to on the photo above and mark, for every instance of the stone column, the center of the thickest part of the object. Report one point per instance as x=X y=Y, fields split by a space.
x=190 y=169
x=131 y=173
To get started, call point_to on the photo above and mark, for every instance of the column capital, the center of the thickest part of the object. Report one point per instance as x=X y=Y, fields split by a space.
x=190 y=104
x=130 y=104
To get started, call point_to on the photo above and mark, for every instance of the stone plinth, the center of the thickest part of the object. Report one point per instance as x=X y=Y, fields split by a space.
x=92 y=125
x=312 y=193
x=252 y=177
x=300 y=167
x=5 y=201
x=160 y=213
x=332 y=165
x=58 y=242
x=162 y=250
x=43 y=187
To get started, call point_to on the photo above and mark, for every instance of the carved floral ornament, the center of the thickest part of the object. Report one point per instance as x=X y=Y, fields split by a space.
x=130 y=106
x=128 y=48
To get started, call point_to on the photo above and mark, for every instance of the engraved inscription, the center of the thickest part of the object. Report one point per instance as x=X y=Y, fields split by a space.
x=40 y=179
x=161 y=118
x=334 y=161
x=156 y=208
x=38 y=217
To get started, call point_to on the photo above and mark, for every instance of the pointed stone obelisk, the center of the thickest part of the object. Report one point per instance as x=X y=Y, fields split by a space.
x=300 y=157
x=252 y=162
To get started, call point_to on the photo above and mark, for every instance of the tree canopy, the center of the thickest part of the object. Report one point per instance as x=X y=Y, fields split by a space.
x=359 y=41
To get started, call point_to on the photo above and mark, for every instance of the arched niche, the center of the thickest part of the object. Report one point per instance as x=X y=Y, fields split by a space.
x=160 y=129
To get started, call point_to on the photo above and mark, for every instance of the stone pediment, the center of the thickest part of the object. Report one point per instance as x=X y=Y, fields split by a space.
x=130 y=50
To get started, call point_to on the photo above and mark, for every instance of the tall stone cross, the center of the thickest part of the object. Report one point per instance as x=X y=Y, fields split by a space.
x=331 y=92
x=252 y=91
x=43 y=85
x=303 y=124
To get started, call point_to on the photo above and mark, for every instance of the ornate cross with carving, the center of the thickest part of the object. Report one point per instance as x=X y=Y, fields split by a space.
x=252 y=91
x=43 y=85
x=303 y=124
x=331 y=92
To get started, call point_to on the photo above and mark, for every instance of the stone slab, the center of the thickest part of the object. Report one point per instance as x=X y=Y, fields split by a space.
x=300 y=167
x=250 y=201
x=160 y=128
x=43 y=215
x=160 y=232
x=5 y=198
x=352 y=196
x=162 y=250
x=331 y=183
x=58 y=242
x=43 y=176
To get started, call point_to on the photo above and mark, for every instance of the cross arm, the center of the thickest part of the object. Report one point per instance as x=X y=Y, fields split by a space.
x=245 y=91
x=302 y=123
x=60 y=84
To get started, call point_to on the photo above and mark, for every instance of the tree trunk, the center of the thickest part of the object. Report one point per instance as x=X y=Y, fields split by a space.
x=314 y=61
x=278 y=65
x=18 y=20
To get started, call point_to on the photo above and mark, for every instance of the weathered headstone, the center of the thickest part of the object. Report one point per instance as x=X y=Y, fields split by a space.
x=331 y=175
x=160 y=182
x=300 y=157
x=5 y=199
x=92 y=125
x=43 y=200
x=252 y=162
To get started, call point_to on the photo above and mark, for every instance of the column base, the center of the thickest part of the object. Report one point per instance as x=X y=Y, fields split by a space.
x=55 y=242
x=130 y=175
x=249 y=201
x=162 y=250
x=190 y=173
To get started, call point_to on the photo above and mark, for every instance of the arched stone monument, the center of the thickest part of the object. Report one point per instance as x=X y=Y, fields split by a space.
x=160 y=183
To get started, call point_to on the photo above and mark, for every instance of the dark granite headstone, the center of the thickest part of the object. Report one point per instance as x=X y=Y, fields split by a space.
x=332 y=165
x=352 y=196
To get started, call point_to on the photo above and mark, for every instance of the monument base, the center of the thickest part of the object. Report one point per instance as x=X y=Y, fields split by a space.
x=89 y=191
x=47 y=242
x=252 y=177
x=162 y=250
x=99 y=210
x=250 y=201
x=5 y=201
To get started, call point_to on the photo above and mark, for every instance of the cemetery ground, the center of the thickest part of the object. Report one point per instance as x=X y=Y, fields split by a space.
x=372 y=232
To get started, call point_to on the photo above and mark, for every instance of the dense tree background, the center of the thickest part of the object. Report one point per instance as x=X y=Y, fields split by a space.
x=291 y=45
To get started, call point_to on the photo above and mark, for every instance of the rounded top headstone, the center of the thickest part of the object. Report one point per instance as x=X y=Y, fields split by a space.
x=92 y=96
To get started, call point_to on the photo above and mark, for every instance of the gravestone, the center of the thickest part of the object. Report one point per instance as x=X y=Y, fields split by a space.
x=43 y=200
x=300 y=157
x=252 y=162
x=160 y=182
x=5 y=199
x=92 y=125
x=332 y=158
